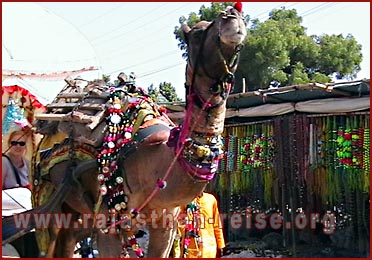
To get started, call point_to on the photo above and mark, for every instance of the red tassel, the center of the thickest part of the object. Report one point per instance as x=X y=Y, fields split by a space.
x=238 y=6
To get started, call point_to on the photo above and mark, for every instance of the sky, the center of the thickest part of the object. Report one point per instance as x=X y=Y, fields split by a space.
x=138 y=36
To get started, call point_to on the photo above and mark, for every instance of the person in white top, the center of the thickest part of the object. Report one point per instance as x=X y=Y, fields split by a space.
x=16 y=193
x=15 y=167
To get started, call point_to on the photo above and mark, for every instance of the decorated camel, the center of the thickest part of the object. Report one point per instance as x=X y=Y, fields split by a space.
x=128 y=161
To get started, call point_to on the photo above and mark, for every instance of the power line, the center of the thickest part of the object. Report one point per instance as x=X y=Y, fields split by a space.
x=127 y=23
x=340 y=8
x=152 y=72
x=311 y=11
x=111 y=10
x=161 y=70
x=308 y=12
x=316 y=9
x=152 y=59
x=134 y=42
x=265 y=12
x=142 y=25
x=80 y=32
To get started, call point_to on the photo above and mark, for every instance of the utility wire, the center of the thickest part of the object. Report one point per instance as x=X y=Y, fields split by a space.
x=266 y=11
x=307 y=12
x=152 y=72
x=142 y=25
x=127 y=23
x=163 y=55
x=134 y=42
x=161 y=70
x=311 y=11
x=316 y=9
x=334 y=10
x=94 y=20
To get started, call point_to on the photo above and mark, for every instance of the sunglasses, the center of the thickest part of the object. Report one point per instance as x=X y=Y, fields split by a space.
x=14 y=143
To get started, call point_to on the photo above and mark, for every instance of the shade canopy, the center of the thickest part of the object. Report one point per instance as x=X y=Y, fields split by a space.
x=41 y=49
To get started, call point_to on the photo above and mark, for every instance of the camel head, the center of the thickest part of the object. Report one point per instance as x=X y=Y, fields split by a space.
x=213 y=51
x=232 y=27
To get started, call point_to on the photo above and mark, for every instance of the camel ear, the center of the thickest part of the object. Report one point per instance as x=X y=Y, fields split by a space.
x=196 y=35
x=186 y=31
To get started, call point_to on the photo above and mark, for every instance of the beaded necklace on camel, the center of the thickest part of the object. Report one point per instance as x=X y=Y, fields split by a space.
x=121 y=126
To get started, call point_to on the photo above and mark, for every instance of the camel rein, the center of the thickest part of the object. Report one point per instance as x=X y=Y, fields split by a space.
x=219 y=88
x=162 y=182
x=224 y=84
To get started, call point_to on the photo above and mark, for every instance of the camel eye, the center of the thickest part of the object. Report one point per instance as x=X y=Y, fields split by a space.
x=216 y=88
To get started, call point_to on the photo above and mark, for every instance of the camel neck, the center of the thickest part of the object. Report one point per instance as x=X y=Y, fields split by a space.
x=210 y=122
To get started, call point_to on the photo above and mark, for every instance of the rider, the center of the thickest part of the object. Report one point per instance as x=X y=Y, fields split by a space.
x=128 y=84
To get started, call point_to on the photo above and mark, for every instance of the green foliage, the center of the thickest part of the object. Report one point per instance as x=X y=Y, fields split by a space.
x=205 y=13
x=165 y=93
x=209 y=13
x=168 y=92
x=153 y=92
x=299 y=76
x=279 y=49
x=319 y=77
x=339 y=55
x=106 y=78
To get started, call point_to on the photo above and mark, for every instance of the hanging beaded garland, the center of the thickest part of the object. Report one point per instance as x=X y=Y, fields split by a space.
x=119 y=132
x=366 y=160
x=366 y=151
x=321 y=141
x=357 y=146
x=222 y=164
x=255 y=151
x=123 y=121
x=349 y=148
x=230 y=155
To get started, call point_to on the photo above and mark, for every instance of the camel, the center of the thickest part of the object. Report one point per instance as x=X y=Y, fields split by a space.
x=162 y=166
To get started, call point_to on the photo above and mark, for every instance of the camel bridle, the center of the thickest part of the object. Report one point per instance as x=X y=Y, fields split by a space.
x=224 y=84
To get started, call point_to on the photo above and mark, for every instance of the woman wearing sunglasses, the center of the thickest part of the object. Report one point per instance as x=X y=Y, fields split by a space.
x=16 y=192
x=15 y=167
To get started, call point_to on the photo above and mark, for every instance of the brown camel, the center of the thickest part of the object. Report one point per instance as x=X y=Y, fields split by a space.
x=162 y=168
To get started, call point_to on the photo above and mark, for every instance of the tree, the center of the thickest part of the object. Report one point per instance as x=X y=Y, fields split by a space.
x=168 y=92
x=165 y=93
x=106 y=78
x=205 y=13
x=339 y=55
x=153 y=92
x=279 y=49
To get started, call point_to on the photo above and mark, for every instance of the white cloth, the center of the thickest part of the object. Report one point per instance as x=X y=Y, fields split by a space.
x=15 y=200
x=9 y=251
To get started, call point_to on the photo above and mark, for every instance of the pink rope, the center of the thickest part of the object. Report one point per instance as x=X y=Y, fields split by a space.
x=183 y=135
x=186 y=122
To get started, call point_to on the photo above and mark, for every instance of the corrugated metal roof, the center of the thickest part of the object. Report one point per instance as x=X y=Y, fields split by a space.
x=298 y=93
x=236 y=103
